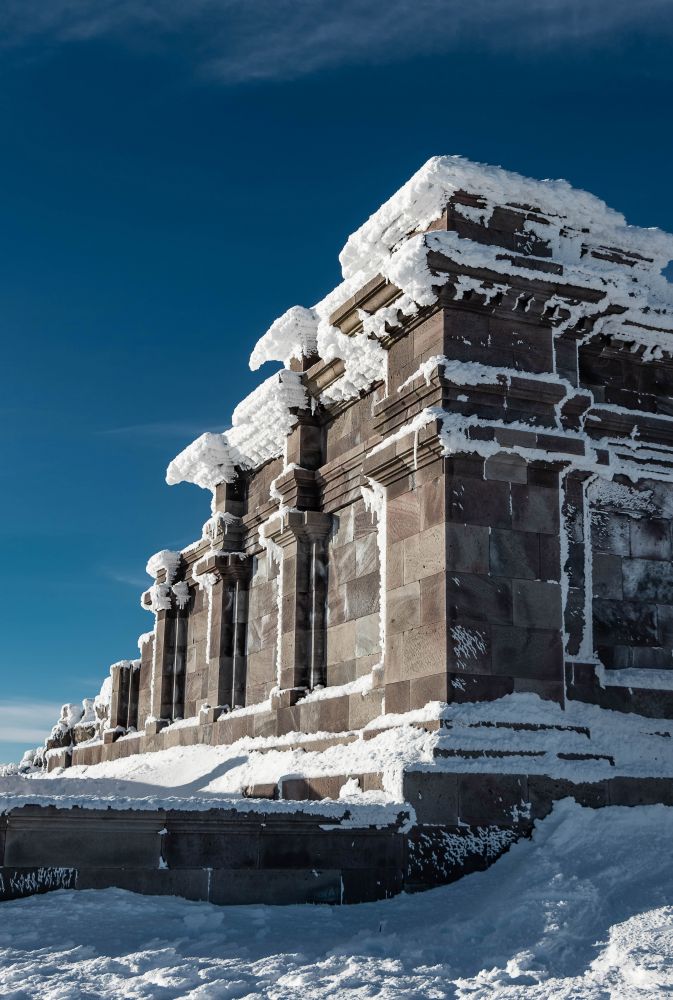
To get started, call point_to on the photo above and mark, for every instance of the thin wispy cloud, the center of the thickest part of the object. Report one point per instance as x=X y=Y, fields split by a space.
x=27 y=721
x=238 y=41
x=128 y=579
x=159 y=430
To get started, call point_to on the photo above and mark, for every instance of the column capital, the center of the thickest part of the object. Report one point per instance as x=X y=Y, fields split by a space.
x=226 y=566
x=287 y=528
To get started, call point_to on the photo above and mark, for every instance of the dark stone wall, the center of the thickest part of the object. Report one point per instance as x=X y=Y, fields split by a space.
x=474 y=601
x=353 y=573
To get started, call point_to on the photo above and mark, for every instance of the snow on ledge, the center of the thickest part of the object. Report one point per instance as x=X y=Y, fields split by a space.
x=166 y=560
x=635 y=677
x=291 y=336
x=260 y=425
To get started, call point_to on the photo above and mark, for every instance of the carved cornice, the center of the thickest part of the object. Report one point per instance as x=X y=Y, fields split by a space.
x=437 y=391
x=406 y=455
x=420 y=447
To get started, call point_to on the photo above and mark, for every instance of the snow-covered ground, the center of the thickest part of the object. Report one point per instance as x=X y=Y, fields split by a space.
x=585 y=910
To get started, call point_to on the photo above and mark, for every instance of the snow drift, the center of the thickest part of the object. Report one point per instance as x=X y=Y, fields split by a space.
x=583 y=911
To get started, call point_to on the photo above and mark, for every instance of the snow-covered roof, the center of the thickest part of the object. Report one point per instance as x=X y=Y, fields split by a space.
x=578 y=229
x=424 y=197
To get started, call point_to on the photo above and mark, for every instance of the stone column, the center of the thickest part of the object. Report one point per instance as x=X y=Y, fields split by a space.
x=228 y=617
x=168 y=667
x=302 y=538
x=166 y=658
x=125 y=693
x=160 y=700
x=134 y=695
x=146 y=646
x=118 y=697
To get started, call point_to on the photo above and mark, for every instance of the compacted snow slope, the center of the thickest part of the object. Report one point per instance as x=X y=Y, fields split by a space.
x=585 y=910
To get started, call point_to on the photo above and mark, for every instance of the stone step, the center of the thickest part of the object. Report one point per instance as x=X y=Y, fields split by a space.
x=449 y=725
x=475 y=753
x=587 y=756
x=268 y=790
x=311 y=745
x=517 y=727
x=300 y=789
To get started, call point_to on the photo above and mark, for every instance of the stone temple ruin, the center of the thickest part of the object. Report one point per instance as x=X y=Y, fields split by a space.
x=448 y=513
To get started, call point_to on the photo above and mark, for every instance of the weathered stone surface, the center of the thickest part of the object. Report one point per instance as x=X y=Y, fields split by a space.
x=433 y=796
x=515 y=554
x=492 y=798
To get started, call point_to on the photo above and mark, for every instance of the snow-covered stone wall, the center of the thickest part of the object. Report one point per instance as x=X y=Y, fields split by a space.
x=423 y=504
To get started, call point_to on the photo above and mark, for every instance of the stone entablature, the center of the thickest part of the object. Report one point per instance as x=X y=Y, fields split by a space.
x=488 y=511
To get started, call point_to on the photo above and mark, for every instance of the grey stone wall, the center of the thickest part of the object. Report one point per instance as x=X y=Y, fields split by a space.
x=631 y=533
x=196 y=683
x=262 y=629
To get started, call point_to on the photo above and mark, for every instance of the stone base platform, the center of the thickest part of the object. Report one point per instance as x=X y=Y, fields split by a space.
x=222 y=856
x=450 y=825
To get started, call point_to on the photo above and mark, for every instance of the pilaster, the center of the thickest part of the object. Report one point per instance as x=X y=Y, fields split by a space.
x=228 y=596
x=302 y=537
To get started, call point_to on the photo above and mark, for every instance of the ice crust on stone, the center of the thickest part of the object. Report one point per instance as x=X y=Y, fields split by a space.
x=260 y=425
x=618 y=496
x=364 y=362
x=291 y=336
x=159 y=598
x=166 y=560
x=71 y=714
x=88 y=712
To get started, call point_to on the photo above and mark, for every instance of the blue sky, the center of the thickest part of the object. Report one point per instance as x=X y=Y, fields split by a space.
x=173 y=177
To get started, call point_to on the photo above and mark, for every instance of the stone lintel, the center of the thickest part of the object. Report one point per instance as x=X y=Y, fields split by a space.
x=375 y=294
x=323 y=374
